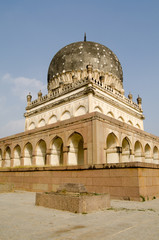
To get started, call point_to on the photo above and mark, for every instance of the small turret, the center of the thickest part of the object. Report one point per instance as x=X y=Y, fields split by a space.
x=130 y=96
x=39 y=95
x=139 y=102
x=29 y=97
x=89 y=71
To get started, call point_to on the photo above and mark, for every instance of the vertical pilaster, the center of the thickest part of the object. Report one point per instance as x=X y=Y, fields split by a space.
x=34 y=158
x=65 y=155
x=48 y=157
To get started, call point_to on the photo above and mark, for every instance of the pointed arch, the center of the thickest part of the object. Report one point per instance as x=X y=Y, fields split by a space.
x=41 y=123
x=137 y=126
x=130 y=123
x=7 y=157
x=31 y=126
x=126 y=150
x=81 y=110
x=16 y=155
x=41 y=153
x=52 y=119
x=120 y=118
x=28 y=152
x=112 y=140
x=56 y=157
x=65 y=115
x=110 y=114
x=98 y=109
x=138 y=152
x=76 y=151
x=155 y=154
x=148 y=157
x=112 y=150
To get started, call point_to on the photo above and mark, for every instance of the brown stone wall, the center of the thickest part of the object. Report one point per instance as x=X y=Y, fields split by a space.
x=149 y=183
x=122 y=181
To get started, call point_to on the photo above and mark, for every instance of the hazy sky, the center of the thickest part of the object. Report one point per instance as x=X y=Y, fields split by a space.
x=32 y=31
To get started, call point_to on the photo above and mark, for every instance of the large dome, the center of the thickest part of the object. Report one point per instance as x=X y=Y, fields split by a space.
x=78 y=55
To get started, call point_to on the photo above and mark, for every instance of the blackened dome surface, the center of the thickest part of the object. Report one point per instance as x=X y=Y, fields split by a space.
x=78 y=55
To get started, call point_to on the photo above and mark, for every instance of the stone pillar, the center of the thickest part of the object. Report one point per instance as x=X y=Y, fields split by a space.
x=65 y=155
x=22 y=161
x=119 y=151
x=85 y=156
x=90 y=107
x=48 y=154
x=11 y=162
x=131 y=155
x=3 y=162
x=34 y=158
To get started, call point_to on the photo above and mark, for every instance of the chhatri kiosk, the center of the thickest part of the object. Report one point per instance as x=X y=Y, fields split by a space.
x=85 y=130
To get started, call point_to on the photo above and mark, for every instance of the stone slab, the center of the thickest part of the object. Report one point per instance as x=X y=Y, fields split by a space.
x=74 y=202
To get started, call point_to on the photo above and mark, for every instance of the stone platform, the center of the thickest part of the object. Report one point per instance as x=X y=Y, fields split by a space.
x=73 y=198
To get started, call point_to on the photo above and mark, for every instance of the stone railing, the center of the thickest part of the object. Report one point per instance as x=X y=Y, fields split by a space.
x=63 y=89
x=116 y=93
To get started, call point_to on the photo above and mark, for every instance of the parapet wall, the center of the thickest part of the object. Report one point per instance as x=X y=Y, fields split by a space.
x=129 y=181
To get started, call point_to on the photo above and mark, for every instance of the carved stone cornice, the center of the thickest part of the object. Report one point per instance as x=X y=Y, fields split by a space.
x=118 y=105
x=56 y=103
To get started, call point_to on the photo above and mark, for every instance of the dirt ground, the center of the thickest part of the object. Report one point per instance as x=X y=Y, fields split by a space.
x=20 y=219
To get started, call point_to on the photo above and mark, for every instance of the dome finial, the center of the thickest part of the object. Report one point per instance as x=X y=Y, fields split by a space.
x=85 y=37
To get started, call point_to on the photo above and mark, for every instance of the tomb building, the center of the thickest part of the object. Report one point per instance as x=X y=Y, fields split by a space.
x=84 y=128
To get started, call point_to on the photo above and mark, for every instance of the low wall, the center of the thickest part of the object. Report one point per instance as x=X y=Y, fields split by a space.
x=131 y=181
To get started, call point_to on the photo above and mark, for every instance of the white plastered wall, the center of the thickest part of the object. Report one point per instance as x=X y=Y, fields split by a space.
x=119 y=114
x=62 y=112
x=83 y=105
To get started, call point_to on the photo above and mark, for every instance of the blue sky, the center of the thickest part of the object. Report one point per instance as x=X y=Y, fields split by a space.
x=32 y=31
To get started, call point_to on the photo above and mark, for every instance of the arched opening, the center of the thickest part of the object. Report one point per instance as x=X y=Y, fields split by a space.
x=56 y=157
x=148 y=157
x=52 y=119
x=66 y=115
x=138 y=152
x=28 y=151
x=98 y=109
x=80 y=111
x=130 y=123
x=112 y=152
x=121 y=119
x=41 y=153
x=110 y=114
x=41 y=123
x=0 y=158
x=125 y=150
x=31 y=126
x=7 y=157
x=137 y=126
x=76 y=152
x=155 y=154
x=17 y=154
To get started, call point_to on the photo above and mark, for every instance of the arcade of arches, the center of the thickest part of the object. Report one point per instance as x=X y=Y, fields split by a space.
x=69 y=147
x=40 y=155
